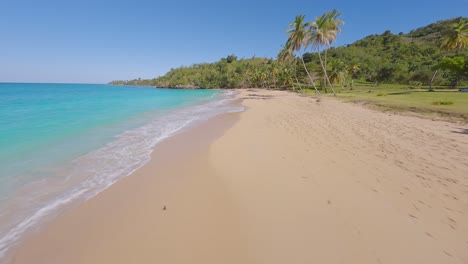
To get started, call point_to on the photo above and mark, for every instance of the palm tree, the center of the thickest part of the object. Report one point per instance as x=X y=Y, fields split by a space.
x=287 y=77
x=454 y=37
x=272 y=72
x=353 y=69
x=338 y=72
x=298 y=38
x=286 y=56
x=263 y=75
x=324 y=31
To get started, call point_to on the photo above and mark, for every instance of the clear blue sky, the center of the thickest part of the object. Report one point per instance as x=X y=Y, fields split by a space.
x=98 y=41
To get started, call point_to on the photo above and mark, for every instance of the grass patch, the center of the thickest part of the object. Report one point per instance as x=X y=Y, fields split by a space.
x=443 y=102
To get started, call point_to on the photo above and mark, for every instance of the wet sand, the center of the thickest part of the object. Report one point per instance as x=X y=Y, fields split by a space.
x=290 y=180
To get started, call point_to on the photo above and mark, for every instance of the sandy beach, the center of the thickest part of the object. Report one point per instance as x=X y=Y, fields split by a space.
x=289 y=180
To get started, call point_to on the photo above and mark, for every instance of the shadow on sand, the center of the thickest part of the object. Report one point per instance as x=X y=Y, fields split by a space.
x=463 y=131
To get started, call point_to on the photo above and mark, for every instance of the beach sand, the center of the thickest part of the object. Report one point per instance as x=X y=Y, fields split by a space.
x=290 y=180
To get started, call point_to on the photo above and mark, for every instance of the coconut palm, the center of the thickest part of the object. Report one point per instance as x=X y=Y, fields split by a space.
x=323 y=33
x=353 y=69
x=287 y=77
x=286 y=57
x=263 y=75
x=273 y=71
x=338 y=72
x=454 y=37
x=298 y=39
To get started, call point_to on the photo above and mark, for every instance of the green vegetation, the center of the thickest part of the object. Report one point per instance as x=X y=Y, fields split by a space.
x=227 y=73
x=429 y=56
x=323 y=32
x=442 y=103
x=298 y=38
x=455 y=68
x=416 y=72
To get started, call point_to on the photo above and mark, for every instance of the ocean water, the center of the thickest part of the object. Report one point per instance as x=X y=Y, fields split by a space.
x=64 y=143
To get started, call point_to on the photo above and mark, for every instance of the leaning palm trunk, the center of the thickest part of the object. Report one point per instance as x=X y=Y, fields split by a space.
x=432 y=80
x=308 y=74
x=433 y=77
x=295 y=76
x=326 y=74
x=298 y=84
x=325 y=71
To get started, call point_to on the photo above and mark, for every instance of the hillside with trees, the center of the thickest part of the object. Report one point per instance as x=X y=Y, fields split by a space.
x=425 y=56
x=400 y=58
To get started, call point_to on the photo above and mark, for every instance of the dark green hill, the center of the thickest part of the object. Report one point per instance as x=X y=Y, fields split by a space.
x=398 y=58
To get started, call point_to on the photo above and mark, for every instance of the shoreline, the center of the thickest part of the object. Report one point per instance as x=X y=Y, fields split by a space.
x=68 y=200
x=153 y=172
x=289 y=180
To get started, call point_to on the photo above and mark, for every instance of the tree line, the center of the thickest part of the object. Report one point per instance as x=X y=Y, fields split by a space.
x=431 y=55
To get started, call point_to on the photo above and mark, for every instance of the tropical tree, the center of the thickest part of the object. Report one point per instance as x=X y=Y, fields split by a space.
x=286 y=77
x=274 y=71
x=286 y=57
x=353 y=69
x=455 y=37
x=456 y=67
x=338 y=72
x=323 y=33
x=298 y=39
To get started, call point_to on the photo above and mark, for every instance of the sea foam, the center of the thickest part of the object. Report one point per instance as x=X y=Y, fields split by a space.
x=95 y=171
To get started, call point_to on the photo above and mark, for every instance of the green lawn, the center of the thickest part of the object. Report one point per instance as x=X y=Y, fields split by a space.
x=443 y=103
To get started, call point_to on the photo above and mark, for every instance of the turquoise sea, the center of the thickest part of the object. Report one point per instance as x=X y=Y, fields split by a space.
x=64 y=143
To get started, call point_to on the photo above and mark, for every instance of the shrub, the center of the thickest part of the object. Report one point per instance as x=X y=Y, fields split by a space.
x=443 y=102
